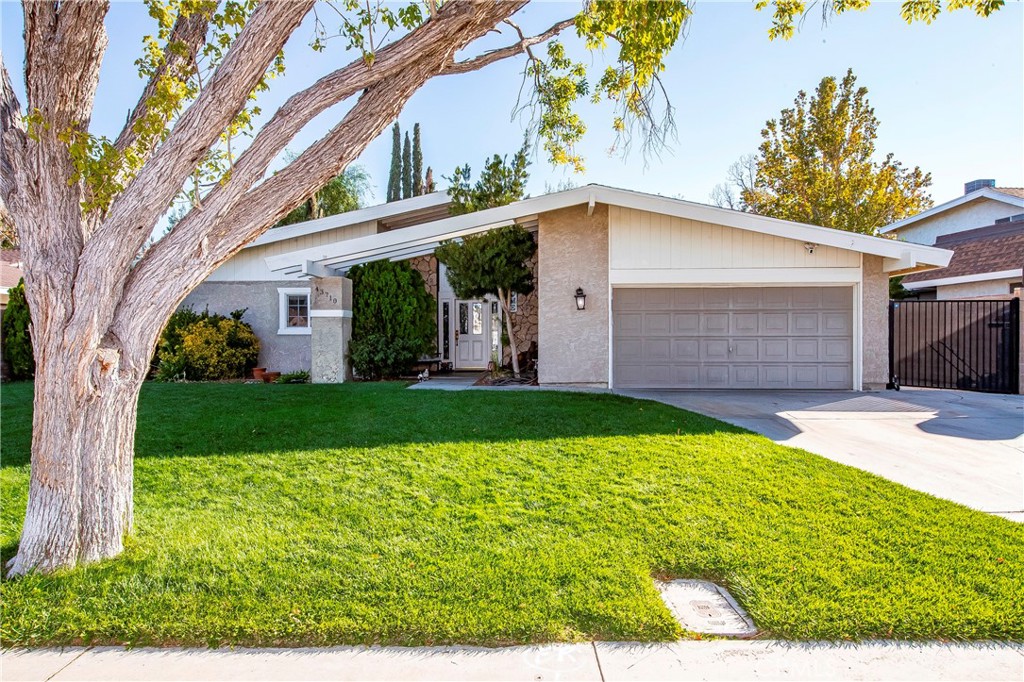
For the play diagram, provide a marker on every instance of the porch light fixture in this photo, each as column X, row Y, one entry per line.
column 810, row 248
column 581, row 299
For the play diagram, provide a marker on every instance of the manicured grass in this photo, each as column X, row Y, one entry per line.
column 297, row 515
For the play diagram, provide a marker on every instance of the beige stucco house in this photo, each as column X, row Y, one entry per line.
column 985, row 229
column 677, row 294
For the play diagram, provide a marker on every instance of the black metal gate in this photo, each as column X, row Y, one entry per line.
column 967, row 345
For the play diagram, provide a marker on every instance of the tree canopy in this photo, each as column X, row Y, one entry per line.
column 344, row 192
column 817, row 165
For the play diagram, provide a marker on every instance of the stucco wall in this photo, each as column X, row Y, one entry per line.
column 278, row 353
column 978, row 213
column 875, row 332
column 997, row 288
column 573, row 252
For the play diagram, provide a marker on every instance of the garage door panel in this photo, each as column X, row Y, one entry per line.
column 836, row 324
column 714, row 349
column 657, row 324
column 745, row 350
column 685, row 323
column 746, row 324
column 774, row 323
column 743, row 337
column 686, row 350
column 714, row 323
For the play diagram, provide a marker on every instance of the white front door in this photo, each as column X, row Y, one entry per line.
column 472, row 334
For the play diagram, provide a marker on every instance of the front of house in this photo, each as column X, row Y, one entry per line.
column 678, row 295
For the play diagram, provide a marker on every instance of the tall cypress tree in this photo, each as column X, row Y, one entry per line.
column 407, row 169
column 417, row 162
column 395, row 177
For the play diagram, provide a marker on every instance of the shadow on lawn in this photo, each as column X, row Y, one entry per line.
column 217, row 419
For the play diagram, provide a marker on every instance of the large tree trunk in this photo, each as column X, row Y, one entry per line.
column 80, row 490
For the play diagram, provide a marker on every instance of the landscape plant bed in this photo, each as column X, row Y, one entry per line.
column 365, row 513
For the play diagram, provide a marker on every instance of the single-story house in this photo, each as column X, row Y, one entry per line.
column 633, row 290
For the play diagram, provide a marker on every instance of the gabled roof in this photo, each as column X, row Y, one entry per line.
column 425, row 204
column 422, row 239
column 1012, row 196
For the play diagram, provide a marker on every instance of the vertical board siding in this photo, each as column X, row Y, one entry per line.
column 248, row 265
column 641, row 240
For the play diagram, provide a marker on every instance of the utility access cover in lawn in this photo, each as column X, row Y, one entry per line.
column 702, row 606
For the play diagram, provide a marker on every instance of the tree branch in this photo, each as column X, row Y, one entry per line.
column 187, row 37
column 232, row 216
column 12, row 133
column 520, row 47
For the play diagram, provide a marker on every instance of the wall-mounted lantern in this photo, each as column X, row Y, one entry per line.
column 581, row 299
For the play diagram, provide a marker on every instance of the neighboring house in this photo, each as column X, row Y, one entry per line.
column 985, row 227
column 678, row 294
column 10, row 273
column 987, row 263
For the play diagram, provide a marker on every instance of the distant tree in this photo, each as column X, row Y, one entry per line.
column 395, row 175
column 563, row 185
column 345, row 192
column 816, row 165
column 500, row 183
column 494, row 263
column 407, row 168
column 428, row 181
column 17, row 341
column 417, row 162
column 742, row 176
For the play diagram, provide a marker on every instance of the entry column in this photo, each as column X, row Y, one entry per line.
column 331, row 321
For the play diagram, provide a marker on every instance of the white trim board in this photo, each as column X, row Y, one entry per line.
column 983, row 193
column 410, row 239
column 965, row 279
column 731, row 277
column 330, row 313
column 360, row 215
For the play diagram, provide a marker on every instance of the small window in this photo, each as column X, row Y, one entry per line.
column 478, row 318
column 463, row 318
column 294, row 311
column 298, row 310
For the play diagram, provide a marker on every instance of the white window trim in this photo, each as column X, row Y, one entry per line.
column 282, row 311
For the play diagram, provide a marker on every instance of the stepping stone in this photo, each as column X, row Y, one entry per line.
column 702, row 606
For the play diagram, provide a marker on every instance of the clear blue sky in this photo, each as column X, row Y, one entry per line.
column 950, row 96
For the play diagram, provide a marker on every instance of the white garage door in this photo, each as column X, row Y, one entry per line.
column 767, row 337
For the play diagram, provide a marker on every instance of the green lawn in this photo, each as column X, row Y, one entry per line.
column 297, row 515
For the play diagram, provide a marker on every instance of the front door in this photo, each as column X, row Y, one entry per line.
column 472, row 334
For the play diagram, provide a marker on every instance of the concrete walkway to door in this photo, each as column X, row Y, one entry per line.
column 961, row 446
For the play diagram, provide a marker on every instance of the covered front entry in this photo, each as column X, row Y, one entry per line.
column 726, row 337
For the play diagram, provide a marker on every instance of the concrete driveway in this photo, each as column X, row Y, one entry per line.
column 961, row 446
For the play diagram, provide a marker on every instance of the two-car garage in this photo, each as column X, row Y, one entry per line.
column 733, row 337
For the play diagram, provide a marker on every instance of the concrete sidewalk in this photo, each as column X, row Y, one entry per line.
column 601, row 661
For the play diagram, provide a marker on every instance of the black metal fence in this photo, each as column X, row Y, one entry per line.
column 967, row 345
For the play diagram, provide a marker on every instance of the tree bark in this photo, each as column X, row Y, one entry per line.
column 505, row 298
column 80, row 491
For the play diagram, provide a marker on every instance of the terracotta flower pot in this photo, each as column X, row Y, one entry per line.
column 270, row 377
column 257, row 373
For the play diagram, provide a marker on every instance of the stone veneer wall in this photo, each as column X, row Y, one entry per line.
column 875, row 331
column 426, row 266
column 573, row 252
column 524, row 320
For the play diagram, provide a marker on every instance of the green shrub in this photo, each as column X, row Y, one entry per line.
column 394, row 319
column 17, row 343
column 205, row 347
column 300, row 377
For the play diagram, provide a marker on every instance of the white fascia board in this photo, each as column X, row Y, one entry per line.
column 360, row 215
column 983, row 193
column 363, row 248
column 734, row 277
column 965, row 279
